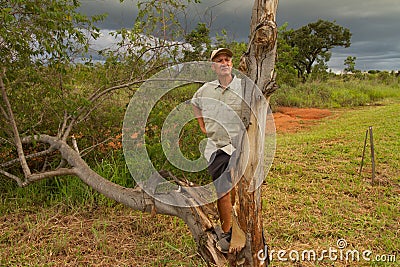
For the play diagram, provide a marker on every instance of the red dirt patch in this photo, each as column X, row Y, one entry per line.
column 289, row 119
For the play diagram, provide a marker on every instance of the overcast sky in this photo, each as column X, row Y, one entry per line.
column 374, row 24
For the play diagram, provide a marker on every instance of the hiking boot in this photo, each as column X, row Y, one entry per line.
column 224, row 242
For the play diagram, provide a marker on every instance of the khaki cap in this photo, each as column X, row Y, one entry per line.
column 219, row 51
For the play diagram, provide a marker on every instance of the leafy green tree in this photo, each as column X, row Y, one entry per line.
column 350, row 63
column 200, row 42
column 314, row 42
column 285, row 60
column 38, row 40
column 42, row 32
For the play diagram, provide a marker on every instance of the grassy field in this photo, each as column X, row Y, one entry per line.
column 313, row 197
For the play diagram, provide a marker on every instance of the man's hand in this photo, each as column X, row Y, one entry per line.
column 199, row 116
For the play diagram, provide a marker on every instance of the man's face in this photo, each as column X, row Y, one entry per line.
column 222, row 65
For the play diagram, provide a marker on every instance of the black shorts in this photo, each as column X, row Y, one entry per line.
column 219, row 169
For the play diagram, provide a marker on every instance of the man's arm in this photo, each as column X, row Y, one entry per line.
column 199, row 116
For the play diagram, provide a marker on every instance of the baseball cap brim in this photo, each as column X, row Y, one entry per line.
column 221, row 51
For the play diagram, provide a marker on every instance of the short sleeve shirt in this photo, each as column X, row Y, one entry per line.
column 220, row 109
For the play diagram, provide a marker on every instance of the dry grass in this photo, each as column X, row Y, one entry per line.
column 117, row 236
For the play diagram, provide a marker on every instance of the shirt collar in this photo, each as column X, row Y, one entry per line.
column 216, row 84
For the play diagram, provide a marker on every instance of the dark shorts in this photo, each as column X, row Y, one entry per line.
column 219, row 169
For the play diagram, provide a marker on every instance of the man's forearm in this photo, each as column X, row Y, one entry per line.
column 201, row 124
column 200, row 120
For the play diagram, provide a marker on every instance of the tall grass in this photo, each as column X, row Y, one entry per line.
column 68, row 190
column 336, row 93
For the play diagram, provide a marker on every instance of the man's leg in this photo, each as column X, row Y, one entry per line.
column 224, row 205
column 222, row 182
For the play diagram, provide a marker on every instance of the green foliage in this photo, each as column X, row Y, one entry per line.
column 350, row 63
column 285, row 64
column 189, row 137
column 158, row 18
column 313, row 43
column 42, row 32
column 38, row 41
column 40, row 100
column 199, row 39
column 156, row 37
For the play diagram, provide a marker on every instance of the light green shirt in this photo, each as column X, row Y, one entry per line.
column 221, row 114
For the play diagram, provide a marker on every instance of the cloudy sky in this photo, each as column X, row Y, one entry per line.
column 374, row 24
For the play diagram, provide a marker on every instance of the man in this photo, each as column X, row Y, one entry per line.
column 217, row 107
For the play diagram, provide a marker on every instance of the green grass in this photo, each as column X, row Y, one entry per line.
column 70, row 191
column 314, row 194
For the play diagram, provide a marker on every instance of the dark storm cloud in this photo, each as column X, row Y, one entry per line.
column 119, row 15
column 374, row 24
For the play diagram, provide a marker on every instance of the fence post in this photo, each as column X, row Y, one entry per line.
column 371, row 140
column 363, row 154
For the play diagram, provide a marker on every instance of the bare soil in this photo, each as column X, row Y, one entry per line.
column 289, row 119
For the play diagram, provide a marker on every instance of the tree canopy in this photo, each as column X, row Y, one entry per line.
column 42, row 31
column 350, row 63
column 312, row 44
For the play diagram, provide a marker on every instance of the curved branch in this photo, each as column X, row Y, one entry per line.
column 49, row 174
column 38, row 154
column 201, row 227
column 12, row 176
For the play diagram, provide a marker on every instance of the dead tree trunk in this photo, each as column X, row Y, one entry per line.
column 258, row 64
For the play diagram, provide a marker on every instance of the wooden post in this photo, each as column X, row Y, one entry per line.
column 371, row 140
column 363, row 153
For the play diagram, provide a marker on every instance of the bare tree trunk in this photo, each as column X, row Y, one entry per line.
column 258, row 64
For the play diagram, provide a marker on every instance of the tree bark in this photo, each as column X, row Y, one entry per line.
column 258, row 64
